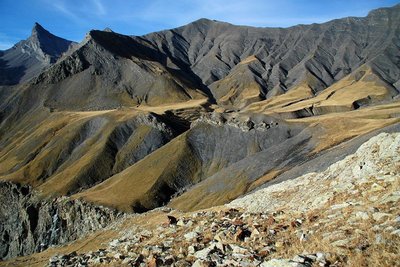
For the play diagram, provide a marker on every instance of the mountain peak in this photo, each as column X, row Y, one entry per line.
column 37, row 25
column 384, row 11
column 206, row 21
column 203, row 20
column 203, row 24
column 39, row 30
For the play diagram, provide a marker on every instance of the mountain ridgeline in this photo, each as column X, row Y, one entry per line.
column 191, row 117
column 28, row 58
column 233, row 65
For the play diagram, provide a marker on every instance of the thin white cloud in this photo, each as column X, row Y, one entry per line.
column 179, row 12
column 99, row 7
column 63, row 8
column 79, row 12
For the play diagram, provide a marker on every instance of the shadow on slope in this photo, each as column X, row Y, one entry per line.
column 68, row 152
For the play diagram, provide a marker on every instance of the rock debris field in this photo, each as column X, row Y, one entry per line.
column 347, row 215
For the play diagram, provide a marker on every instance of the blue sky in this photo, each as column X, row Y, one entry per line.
column 71, row 19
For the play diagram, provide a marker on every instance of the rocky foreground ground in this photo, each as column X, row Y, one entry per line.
column 347, row 215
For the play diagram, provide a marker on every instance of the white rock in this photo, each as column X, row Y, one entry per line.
column 191, row 235
column 370, row 160
column 254, row 233
column 396, row 232
column 277, row 263
column 117, row 256
column 394, row 197
column 238, row 249
column 320, row 256
column 199, row 263
column 362, row 215
column 202, row 254
column 388, row 178
column 191, row 250
column 114, row 243
column 340, row 206
column 376, row 187
column 379, row 239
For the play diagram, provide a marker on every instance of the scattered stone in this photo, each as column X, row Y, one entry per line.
column 232, row 237
column 376, row 187
column 396, row 232
column 191, row 235
column 362, row 215
column 238, row 249
column 340, row 206
column 200, row 263
column 180, row 223
column 277, row 263
column 202, row 254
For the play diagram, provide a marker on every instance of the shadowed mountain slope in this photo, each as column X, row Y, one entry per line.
column 65, row 153
column 231, row 59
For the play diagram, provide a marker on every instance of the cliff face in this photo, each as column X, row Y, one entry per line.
column 30, row 225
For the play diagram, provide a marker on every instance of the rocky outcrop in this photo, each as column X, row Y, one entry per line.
column 376, row 160
column 242, row 122
column 28, row 224
column 28, row 58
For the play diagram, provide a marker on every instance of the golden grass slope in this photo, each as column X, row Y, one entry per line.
column 147, row 184
column 69, row 151
column 363, row 86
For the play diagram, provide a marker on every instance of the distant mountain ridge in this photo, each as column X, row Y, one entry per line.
column 234, row 65
column 274, row 60
column 28, row 58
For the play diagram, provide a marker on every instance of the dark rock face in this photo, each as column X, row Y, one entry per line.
column 29, row 57
column 30, row 225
